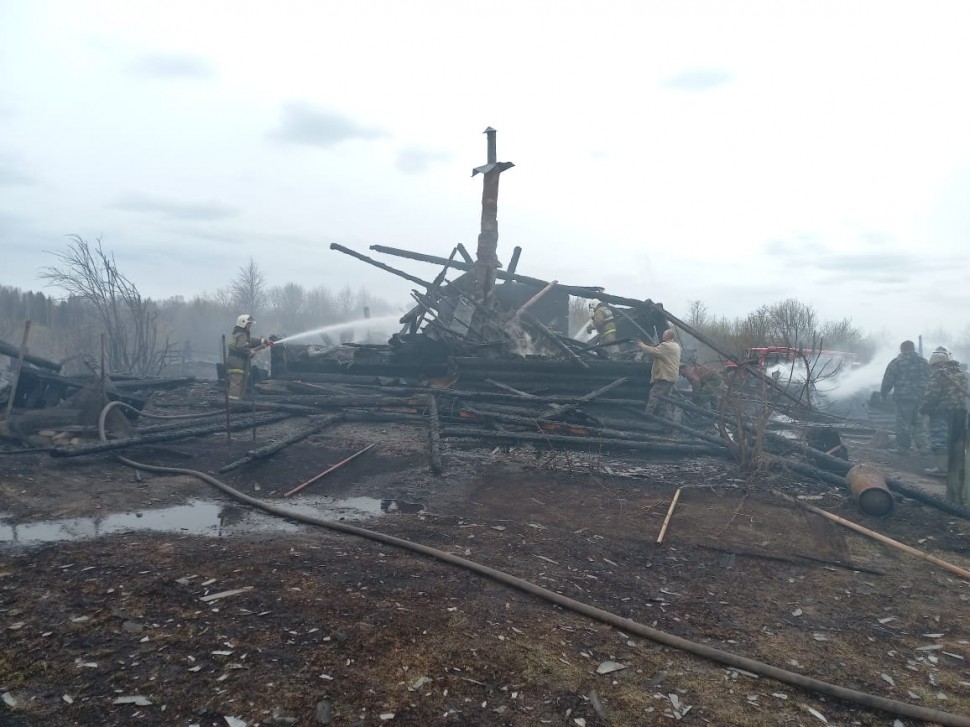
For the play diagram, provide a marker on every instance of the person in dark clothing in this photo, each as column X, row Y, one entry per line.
column 707, row 385
column 906, row 377
column 946, row 396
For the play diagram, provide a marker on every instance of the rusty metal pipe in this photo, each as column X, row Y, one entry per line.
column 330, row 469
column 869, row 488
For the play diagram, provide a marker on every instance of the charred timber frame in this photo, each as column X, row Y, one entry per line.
column 593, row 293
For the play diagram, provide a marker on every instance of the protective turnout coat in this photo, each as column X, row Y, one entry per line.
column 946, row 389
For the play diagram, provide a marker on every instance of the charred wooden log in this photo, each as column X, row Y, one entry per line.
column 7, row 349
column 586, row 443
column 183, row 433
column 557, row 410
column 553, row 426
column 270, row 449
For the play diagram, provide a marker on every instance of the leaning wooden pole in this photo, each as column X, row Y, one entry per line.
column 955, row 569
column 535, row 298
column 538, row 325
column 670, row 514
column 557, row 410
column 377, row 264
column 20, row 366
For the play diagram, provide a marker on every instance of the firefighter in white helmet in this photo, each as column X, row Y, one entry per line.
column 242, row 348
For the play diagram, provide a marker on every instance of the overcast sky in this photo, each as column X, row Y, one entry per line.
column 733, row 152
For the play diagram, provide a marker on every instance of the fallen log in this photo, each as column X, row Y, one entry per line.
column 511, row 390
column 184, row 433
column 585, row 442
column 560, row 410
column 169, row 383
column 270, row 449
column 352, row 415
column 552, row 424
column 340, row 401
column 13, row 352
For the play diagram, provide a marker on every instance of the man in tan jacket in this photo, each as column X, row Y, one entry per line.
column 663, row 373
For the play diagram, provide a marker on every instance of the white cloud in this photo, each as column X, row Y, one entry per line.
column 735, row 153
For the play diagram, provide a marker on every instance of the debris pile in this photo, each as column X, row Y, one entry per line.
column 45, row 408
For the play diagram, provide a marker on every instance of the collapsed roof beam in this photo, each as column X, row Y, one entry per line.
column 577, row 290
column 388, row 268
column 594, row 293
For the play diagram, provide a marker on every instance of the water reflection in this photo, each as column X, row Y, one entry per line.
column 198, row 517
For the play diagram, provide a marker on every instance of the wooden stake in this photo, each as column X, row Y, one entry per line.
column 434, row 435
column 20, row 366
column 670, row 512
column 225, row 371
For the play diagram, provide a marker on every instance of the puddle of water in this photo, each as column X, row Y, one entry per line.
column 198, row 517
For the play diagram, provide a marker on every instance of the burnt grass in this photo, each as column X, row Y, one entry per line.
column 339, row 629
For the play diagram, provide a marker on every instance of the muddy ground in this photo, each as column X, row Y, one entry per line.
column 323, row 627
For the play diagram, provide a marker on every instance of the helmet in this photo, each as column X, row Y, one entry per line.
column 244, row 320
column 940, row 355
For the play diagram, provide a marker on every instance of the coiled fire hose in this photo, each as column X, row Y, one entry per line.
column 626, row 625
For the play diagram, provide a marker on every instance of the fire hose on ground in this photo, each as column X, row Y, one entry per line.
column 845, row 694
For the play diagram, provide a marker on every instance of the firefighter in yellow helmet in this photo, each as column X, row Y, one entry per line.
column 242, row 348
column 603, row 321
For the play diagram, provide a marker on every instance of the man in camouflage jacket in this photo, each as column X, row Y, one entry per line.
column 946, row 395
column 906, row 376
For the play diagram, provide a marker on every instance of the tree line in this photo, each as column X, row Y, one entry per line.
column 788, row 323
column 143, row 336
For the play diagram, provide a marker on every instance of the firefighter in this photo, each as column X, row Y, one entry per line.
column 603, row 321
column 242, row 348
column 944, row 400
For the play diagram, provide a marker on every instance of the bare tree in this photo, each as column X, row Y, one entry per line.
column 578, row 315
column 249, row 289
column 697, row 314
column 129, row 321
column 345, row 300
column 790, row 323
column 289, row 306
